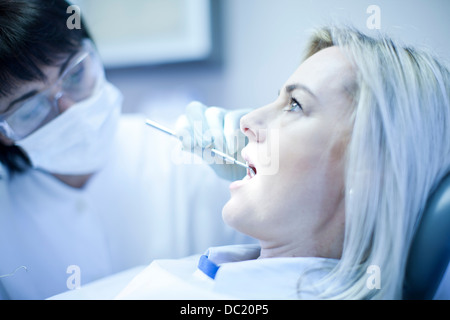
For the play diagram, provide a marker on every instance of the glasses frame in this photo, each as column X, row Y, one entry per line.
column 87, row 50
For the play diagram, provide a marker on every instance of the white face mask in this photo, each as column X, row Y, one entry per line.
column 79, row 140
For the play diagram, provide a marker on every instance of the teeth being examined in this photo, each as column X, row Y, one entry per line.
column 251, row 171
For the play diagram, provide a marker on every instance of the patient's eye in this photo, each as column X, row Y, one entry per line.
column 294, row 106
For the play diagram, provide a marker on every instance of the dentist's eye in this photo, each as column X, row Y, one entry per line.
column 293, row 106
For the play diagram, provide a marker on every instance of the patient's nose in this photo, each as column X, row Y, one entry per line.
column 254, row 125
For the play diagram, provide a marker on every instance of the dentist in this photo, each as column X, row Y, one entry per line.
column 80, row 183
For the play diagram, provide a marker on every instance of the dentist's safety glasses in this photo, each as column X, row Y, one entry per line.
column 81, row 78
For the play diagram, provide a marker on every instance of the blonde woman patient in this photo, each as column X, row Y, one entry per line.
column 363, row 138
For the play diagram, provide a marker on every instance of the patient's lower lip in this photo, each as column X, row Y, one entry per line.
column 238, row 183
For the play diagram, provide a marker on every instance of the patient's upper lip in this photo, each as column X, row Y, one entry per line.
column 248, row 160
column 245, row 156
column 238, row 183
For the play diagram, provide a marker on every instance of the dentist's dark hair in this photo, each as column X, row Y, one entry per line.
column 33, row 34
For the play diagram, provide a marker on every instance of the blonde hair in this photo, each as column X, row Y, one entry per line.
column 398, row 152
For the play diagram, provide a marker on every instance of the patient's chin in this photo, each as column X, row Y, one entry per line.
column 235, row 215
column 232, row 213
column 227, row 212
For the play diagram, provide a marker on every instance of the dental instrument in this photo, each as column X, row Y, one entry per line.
column 226, row 157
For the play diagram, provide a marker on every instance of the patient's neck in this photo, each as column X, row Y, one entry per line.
column 324, row 239
column 287, row 250
column 326, row 242
column 298, row 250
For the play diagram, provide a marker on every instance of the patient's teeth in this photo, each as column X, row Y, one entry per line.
column 250, row 171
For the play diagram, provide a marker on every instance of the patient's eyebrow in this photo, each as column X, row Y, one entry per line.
column 295, row 86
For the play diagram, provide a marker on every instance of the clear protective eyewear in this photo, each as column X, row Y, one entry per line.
column 81, row 78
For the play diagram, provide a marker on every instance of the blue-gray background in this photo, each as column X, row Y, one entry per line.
column 260, row 44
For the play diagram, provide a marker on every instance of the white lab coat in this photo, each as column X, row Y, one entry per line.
column 240, row 276
column 141, row 206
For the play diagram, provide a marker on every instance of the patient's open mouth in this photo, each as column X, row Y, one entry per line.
column 251, row 172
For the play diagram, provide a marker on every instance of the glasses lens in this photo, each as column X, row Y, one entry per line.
column 82, row 80
column 30, row 116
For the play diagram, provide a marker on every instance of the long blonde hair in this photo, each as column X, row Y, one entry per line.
column 398, row 152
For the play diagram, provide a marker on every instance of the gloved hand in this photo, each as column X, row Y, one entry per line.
column 203, row 128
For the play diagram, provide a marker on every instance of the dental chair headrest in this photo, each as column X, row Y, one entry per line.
column 429, row 255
